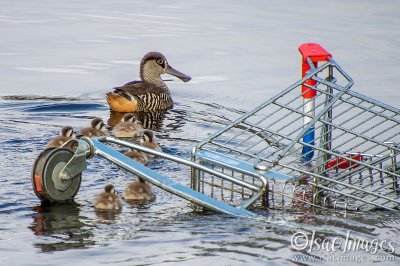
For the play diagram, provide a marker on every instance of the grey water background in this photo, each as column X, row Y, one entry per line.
column 59, row 58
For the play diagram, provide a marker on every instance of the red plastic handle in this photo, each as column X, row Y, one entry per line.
column 341, row 163
column 317, row 54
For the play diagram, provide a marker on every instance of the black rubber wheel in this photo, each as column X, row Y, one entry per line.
column 46, row 182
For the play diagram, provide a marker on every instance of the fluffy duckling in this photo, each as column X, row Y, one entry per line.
column 66, row 133
column 138, row 190
column 138, row 156
column 97, row 129
column 128, row 127
column 149, row 142
column 108, row 200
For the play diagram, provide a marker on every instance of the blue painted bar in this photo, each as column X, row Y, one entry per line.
column 307, row 152
column 167, row 184
column 240, row 165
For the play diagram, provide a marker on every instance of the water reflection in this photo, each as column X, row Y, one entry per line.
column 139, row 204
column 150, row 120
column 155, row 120
column 107, row 214
column 64, row 224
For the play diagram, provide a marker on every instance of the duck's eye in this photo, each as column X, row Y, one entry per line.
column 160, row 62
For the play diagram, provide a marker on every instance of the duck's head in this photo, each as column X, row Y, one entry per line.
column 110, row 189
column 129, row 118
column 154, row 64
column 68, row 132
column 148, row 136
column 98, row 124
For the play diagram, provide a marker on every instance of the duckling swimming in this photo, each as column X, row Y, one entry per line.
column 138, row 156
column 128, row 127
column 149, row 93
column 66, row 133
column 138, row 190
column 149, row 142
column 108, row 199
column 97, row 129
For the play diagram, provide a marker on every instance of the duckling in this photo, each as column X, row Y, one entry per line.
column 66, row 133
column 97, row 129
column 138, row 156
column 128, row 127
column 149, row 142
column 108, row 199
column 150, row 93
column 138, row 190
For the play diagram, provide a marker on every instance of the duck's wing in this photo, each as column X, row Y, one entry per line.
column 139, row 96
column 138, row 88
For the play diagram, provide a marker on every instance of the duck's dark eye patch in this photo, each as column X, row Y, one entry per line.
column 160, row 62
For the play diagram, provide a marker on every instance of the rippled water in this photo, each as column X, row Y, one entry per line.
column 59, row 58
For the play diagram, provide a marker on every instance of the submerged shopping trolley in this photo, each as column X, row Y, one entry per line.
column 316, row 144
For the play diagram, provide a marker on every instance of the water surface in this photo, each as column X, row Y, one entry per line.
column 59, row 58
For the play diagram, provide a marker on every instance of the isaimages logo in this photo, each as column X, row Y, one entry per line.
column 312, row 243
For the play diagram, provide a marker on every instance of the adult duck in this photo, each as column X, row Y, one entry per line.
column 150, row 93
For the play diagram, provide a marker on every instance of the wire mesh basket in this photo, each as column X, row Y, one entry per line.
column 317, row 142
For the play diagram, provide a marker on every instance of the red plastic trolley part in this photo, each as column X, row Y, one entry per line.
column 316, row 54
column 38, row 183
column 342, row 163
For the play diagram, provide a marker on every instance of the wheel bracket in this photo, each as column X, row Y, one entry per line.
column 77, row 164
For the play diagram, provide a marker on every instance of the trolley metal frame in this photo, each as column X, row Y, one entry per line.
column 340, row 143
column 315, row 144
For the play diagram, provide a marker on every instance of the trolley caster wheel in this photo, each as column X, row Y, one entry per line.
column 46, row 181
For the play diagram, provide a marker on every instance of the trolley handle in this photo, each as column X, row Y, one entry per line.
column 312, row 53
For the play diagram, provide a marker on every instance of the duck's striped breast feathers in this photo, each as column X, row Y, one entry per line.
column 152, row 101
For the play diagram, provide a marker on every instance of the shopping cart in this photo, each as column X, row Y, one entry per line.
column 317, row 144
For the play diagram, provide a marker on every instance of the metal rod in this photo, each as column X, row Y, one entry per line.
column 314, row 120
column 163, row 182
column 176, row 159
column 273, row 99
